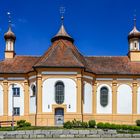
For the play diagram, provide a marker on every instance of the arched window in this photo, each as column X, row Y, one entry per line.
column 33, row 88
column 103, row 96
column 135, row 46
column 59, row 92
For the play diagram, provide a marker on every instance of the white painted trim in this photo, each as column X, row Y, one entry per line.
column 48, row 94
column 107, row 109
column 1, row 101
column 32, row 77
column 138, row 100
column 104, row 79
column 55, row 72
column 1, row 78
column 124, row 79
column 88, row 77
column 138, row 79
column 87, row 106
column 18, row 101
column 15, row 78
column 124, row 99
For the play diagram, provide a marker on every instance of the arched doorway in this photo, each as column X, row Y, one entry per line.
column 59, row 116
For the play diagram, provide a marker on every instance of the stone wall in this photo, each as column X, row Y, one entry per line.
column 30, row 134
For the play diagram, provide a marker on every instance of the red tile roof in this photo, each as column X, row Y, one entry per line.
column 64, row 54
column 113, row 65
column 19, row 64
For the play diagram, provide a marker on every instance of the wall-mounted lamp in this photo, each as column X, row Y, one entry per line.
column 48, row 106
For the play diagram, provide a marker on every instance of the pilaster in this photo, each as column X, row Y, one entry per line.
column 114, row 97
column 79, row 94
column 5, row 98
column 39, row 94
column 134, row 97
column 26, row 98
column 94, row 95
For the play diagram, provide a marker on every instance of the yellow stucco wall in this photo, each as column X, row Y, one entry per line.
column 47, row 119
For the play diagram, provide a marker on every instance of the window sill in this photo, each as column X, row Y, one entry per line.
column 16, row 96
column 32, row 96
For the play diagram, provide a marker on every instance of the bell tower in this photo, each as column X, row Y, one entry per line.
column 134, row 44
column 10, row 41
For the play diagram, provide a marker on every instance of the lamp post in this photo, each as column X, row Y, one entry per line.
column 12, row 106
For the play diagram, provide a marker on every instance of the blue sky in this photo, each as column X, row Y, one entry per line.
column 99, row 27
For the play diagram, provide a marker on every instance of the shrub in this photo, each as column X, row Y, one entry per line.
column 76, row 124
column 107, row 125
column 114, row 126
column 92, row 123
column 129, row 127
column 23, row 123
column 123, row 127
column 84, row 124
column 138, row 122
column 100, row 125
column 27, row 124
column 135, row 128
column 117, row 126
column 68, row 125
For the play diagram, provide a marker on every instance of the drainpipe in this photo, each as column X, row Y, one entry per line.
column 36, row 99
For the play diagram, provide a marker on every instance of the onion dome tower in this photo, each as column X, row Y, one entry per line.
column 134, row 43
column 62, row 34
column 10, row 41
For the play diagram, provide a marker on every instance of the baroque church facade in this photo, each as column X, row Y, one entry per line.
column 63, row 85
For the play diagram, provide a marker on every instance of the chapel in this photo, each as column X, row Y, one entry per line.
column 63, row 84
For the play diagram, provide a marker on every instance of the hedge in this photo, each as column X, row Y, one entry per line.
column 79, row 124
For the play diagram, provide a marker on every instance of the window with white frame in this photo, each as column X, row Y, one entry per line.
column 16, row 91
column 16, row 111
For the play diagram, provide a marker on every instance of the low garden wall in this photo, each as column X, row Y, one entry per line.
column 92, row 133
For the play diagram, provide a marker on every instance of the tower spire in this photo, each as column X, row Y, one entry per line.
column 62, row 34
column 10, row 39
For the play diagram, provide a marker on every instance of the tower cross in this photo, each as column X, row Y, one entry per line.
column 62, row 11
column 135, row 18
column 9, row 19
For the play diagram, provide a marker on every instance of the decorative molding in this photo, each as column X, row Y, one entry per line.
column 138, row 79
column 1, row 78
column 104, row 79
column 58, row 73
column 88, row 77
column 124, row 79
column 32, row 77
column 16, row 78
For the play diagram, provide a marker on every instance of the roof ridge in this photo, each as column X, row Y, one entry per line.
column 106, row 56
column 28, row 55
column 79, row 53
column 53, row 52
column 47, row 52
